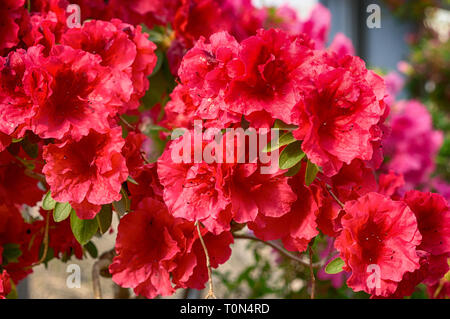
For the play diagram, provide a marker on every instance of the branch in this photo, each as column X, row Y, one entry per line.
column 334, row 196
column 45, row 241
column 278, row 248
column 311, row 271
column 208, row 264
column 99, row 265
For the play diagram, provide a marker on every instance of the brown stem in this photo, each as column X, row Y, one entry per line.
column 36, row 176
column 335, row 197
column 278, row 248
column 208, row 264
column 45, row 241
column 311, row 271
column 99, row 265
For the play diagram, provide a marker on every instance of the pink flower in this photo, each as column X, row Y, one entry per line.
column 412, row 144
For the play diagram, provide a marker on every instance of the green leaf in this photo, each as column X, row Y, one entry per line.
column 48, row 203
column 291, row 155
column 17, row 140
column 91, row 249
column 104, row 218
column 294, row 170
column 283, row 140
column 335, row 266
column 61, row 212
column 311, row 173
column 280, row 125
column 159, row 62
column 132, row 180
column 83, row 229
column 122, row 206
column 11, row 253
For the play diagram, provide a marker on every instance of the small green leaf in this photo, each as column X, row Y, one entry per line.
column 280, row 125
column 132, row 180
column 83, row 229
column 91, row 249
column 283, row 140
column 17, row 140
column 294, row 170
column 159, row 62
column 48, row 203
column 291, row 155
column 11, row 253
column 104, row 218
column 335, row 266
column 122, row 206
column 311, row 173
column 61, row 212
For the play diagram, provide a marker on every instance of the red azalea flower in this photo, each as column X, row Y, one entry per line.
column 378, row 241
column 16, row 188
column 205, row 76
column 197, row 18
column 264, row 77
column 148, row 185
column 352, row 182
column 5, row 284
column 16, row 105
column 14, row 231
column 87, row 173
column 433, row 217
column 61, row 240
column 297, row 227
column 143, row 64
column 162, row 247
column 11, row 11
column 218, row 192
column 339, row 116
column 81, row 94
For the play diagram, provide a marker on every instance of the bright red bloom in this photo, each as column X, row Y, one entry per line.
column 11, row 11
column 205, row 76
column 433, row 217
column 153, row 247
column 87, row 173
column 5, row 284
column 339, row 116
column 380, row 232
column 197, row 18
column 352, row 182
column 61, row 239
column 81, row 94
column 143, row 64
column 16, row 188
column 14, row 231
column 16, row 105
column 298, row 226
column 218, row 192
column 264, row 76
column 116, row 50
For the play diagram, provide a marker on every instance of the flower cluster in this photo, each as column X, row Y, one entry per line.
column 79, row 118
